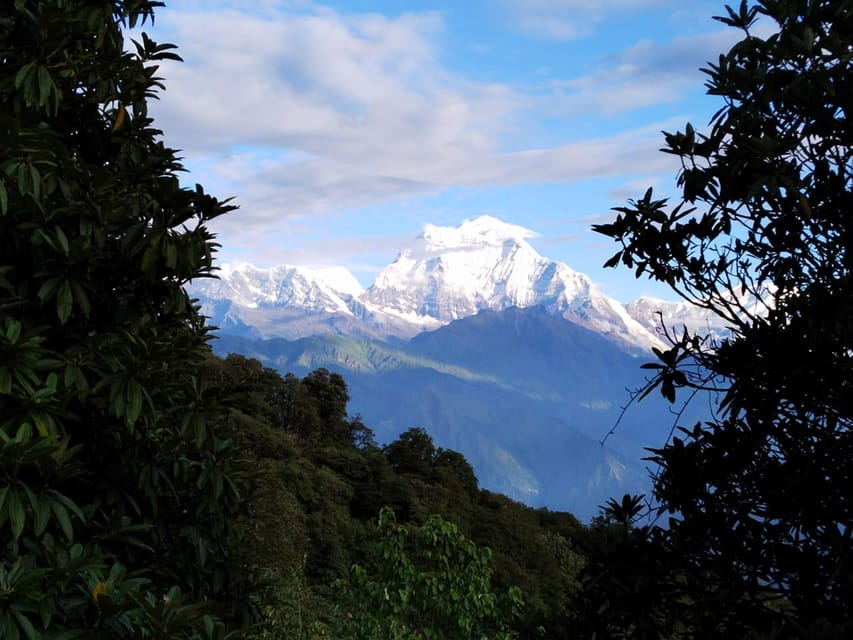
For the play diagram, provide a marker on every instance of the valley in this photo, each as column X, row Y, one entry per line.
column 514, row 360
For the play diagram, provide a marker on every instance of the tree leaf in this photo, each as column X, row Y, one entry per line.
column 64, row 301
column 17, row 515
column 134, row 401
column 45, row 85
column 27, row 626
column 4, row 198
column 62, row 238
column 61, row 515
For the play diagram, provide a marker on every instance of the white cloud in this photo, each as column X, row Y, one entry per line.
column 274, row 190
column 645, row 74
column 324, row 83
column 570, row 19
column 307, row 113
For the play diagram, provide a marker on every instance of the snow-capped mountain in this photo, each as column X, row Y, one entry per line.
column 325, row 289
column 285, row 301
column 452, row 273
column 655, row 314
column 661, row 315
column 445, row 274
column 515, row 360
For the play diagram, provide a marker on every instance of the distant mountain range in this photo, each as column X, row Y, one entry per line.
column 515, row 360
column 444, row 275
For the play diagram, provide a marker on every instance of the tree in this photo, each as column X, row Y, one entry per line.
column 427, row 583
column 759, row 531
column 451, row 467
column 329, row 392
column 119, row 488
column 413, row 453
column 630, row 587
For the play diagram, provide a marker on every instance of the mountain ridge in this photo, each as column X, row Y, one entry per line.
column 529, row 419
column 445, row 274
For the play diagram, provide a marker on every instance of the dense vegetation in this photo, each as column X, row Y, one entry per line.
column 321, row 483
column 758, row 536
column 151, row 490
column 120, row 490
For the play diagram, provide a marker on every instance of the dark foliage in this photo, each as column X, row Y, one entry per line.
column 119, row 489
column 759, row 538
column 317, row 498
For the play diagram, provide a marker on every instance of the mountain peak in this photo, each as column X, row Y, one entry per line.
column 339, row 279
column 475, row 232
column 484, row 263
column 331, row 278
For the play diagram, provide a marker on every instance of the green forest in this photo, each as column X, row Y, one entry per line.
column 149, row 489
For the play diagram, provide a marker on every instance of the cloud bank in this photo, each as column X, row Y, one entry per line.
column 310, row 110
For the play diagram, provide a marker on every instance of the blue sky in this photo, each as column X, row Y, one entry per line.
column 342, row 128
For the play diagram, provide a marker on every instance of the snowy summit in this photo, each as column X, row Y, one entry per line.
column 445, row 274
column 476, row 232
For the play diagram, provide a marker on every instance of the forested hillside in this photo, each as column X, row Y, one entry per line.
column 321, row 481
column 525, row 397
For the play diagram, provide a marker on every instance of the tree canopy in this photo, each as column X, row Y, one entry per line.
column 119, row 488
column 314, row 514
column 426, row 583
column 758, row 534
